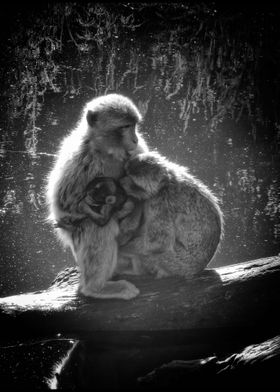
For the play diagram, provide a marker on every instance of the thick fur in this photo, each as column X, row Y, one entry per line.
column 182, row 224
column 100, row 145
column 104, row 196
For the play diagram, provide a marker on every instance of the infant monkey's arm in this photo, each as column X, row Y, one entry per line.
column 70, row 223
column 107, row 198
column 100, row 217
column 103, row 197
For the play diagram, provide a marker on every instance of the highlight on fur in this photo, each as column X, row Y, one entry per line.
column 183, row 223
column 104, row 196
column 106, row 136
column 171, row 223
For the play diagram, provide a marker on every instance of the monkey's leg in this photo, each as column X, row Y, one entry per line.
column 162, row 254
column 130, row 226
column 96, row 254
column 151, row 249
column 134, row 246
column 178, row 262
column 129, row 264
column 157, row 237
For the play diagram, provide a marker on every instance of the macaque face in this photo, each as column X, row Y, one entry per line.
column 99, row 190
column 114, row 131
column 144, row 176
column 129, row 137
column 118, row 136
column 104, row 190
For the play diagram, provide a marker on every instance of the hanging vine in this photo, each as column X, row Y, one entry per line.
column 205, row 62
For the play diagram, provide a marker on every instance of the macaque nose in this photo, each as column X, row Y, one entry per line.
column 135, row 140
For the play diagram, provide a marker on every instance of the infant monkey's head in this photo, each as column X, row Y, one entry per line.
column 104, row 196
column 144, row 175
column 105, row 190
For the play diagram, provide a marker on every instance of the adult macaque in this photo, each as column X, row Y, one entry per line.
column 182, row 223
column 105, row 138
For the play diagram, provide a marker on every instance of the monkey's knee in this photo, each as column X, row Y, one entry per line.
column 129, row 265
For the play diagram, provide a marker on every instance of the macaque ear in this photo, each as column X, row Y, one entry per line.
column 91, row 118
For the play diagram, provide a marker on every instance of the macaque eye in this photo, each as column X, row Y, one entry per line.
column 126, row 127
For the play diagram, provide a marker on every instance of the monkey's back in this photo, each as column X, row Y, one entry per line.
column 188, row 207
column 198, row 217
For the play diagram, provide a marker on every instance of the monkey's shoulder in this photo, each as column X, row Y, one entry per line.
column 182, row 193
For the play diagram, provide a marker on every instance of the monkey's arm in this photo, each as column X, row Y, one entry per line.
column 69, row 221
column 66, row 224
column 131, row 224
column 72, row 220
column 142, row 246
column 135, row 246
column 138, row 189
column 99, row 218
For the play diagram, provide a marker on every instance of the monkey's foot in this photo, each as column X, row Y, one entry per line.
column 120, row 289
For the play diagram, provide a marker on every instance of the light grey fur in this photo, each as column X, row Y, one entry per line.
column 182, row 223
column 93, row 149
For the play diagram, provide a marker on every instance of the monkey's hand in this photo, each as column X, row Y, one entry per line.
column 67, row 223
column 127, row 208
column 99, row 218
column 105, row 215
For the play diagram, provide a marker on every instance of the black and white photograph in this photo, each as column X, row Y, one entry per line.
column 140, row 196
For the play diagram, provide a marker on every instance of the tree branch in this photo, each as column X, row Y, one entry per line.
column 239, row 296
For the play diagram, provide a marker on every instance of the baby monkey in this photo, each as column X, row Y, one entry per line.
column 103, row 196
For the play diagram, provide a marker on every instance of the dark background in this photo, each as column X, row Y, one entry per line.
column 204, row 75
